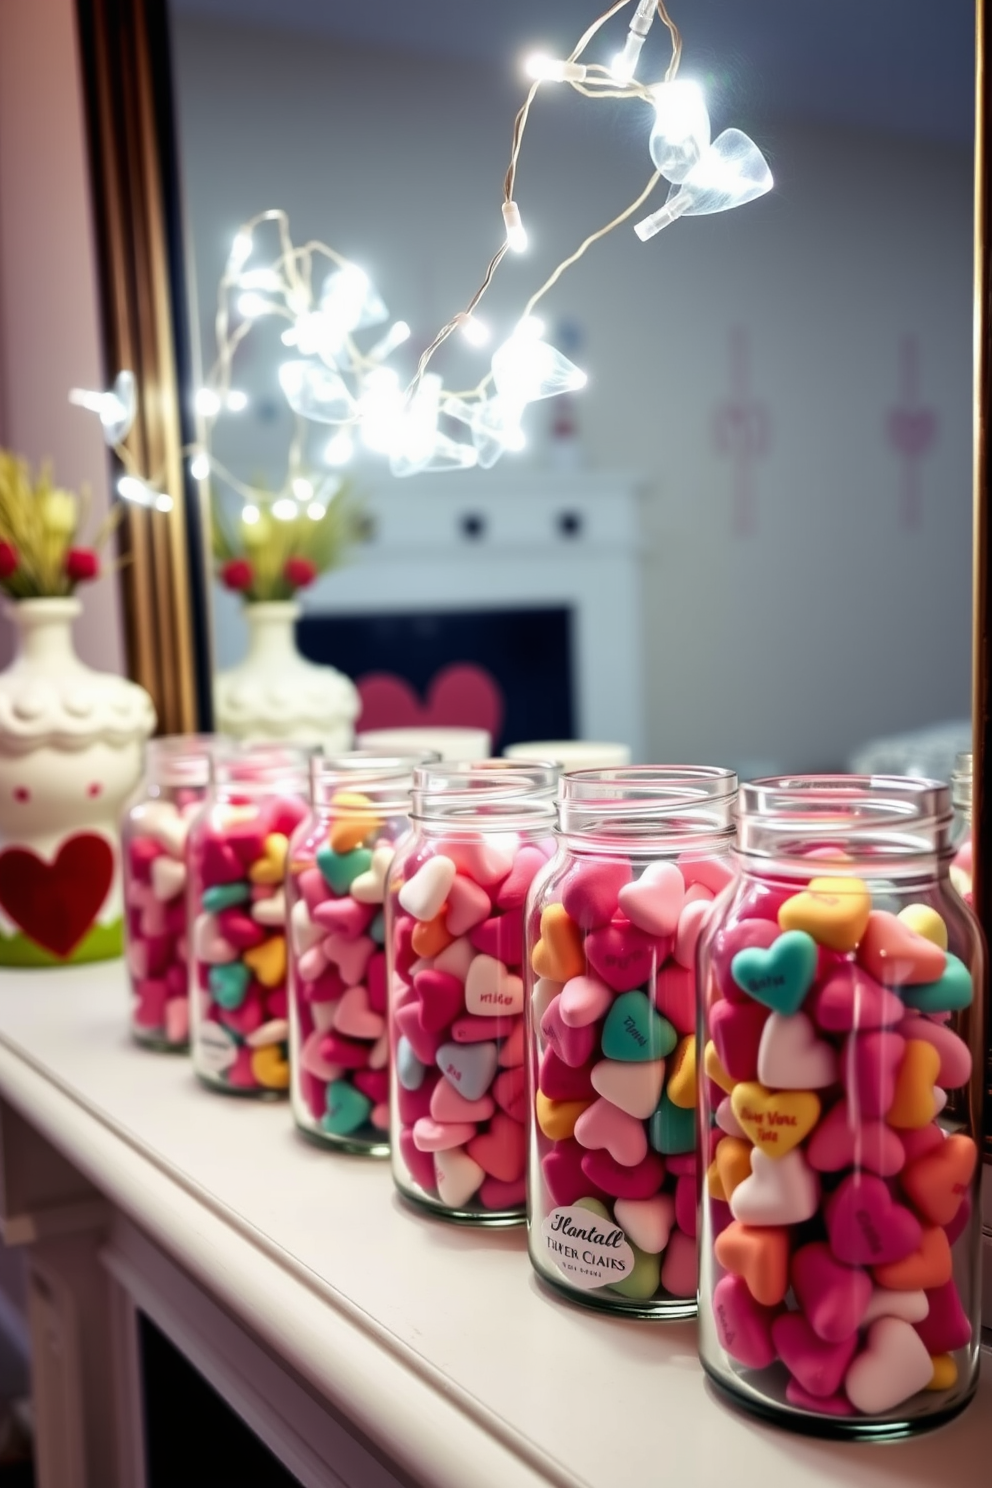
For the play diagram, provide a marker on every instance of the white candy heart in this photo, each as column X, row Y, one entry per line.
column 272, row 911
column 424, row 894
column 313, row 1062
column 468, row 1067
column 646, row 1222
column 780, row 1190
column 491, row 990
column 487, row 862
column 370, row 887
column 893, row 1366
column 654, row 901
column 791, row 1057
column 276, row 1031
column 168, row 877
column 302, row 930
column 458, row 1176
column 170, row 833
column 543, row 996
column 912, row 1307
column 455, row 959
column 634, row 1088
column 209, row 944
column 322, row 1014
column 691, row 922
column 727, row 1121
column 584, row 999
column 215, row 1048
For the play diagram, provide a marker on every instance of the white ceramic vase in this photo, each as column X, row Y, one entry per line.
column 71, row 743
column 275, row 694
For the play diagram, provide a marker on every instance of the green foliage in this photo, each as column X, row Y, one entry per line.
column 268, row 543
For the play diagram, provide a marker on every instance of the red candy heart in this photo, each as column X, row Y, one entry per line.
column 817, row 1366
column 590, row 890
column 736, row 1029
column 946, row 1326
column 501, row 936
column 624, row 956
column 564, row 1176
column 442, row 998
column 560, row 1081
column 639, row 1182
column 834, row 1297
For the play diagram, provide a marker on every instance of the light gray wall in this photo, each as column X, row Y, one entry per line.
column 833, row 622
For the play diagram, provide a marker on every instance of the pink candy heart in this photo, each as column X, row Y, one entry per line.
column 791, row 1057
column 355, row 1019
column 314, row 888
column 834, row 1297
column 344, row 917
column 313, row 1061
column 584, row 1000
column 573, row 1046
column 866, row 1227
column 624, row 956
column 691, row 922
column 448, row 1105
column 424, row 1043
column 350, row 956
column 564, row 1176
column 501, row 937
column 512, row 1052
column 896, row 955
column 869, row 1066
column 675, row 996
column 850, row 999
column 680, row 1267
column 955, row 1056
column 713, row 873
column 589, row 891
column 526, row 865
column 435, row 1136
column 946, row 1326
column 634, row 1088
column 561, row 1081
column 441, row 996
column 468, row 906
column 603, row 1125
column 654, row 901
column 623, row 1182
column 510, row 1093
column 818, row 1367
column 502, row 1150
column 743, row 1326
column 844, row 1140
column 736, row 1029
column 419, row 1165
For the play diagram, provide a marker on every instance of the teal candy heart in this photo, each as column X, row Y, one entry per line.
column 780, row 976
column 228, row 984
column 377, row 929
column 225, row 896
column 954, row 990
column 635, row 1032
column 347, row 1109
column 341, row 869
column 671, row 1129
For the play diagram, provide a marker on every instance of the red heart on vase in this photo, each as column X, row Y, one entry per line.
column 55, row 904
column 461, row 696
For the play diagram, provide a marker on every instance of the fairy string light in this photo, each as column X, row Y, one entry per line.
column 333, row 377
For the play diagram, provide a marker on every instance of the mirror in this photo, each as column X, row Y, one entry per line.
column 748, row 539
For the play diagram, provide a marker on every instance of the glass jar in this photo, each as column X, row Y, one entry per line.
column 611, row 991
column 454, row 927
column 236, row 863
column 338, row 863
column 840, row 1106
column 153, row 841
column 961, row 790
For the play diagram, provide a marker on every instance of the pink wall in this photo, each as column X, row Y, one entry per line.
column 49, row 329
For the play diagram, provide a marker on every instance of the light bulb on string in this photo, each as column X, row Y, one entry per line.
column 302, row 488
column 316, row 511
column 116, row 408
column 516, row 234
column 418, row 445
column 266, row 279
column 250, row 514
column 494, row 423
column 398, row 333
column 545, row 69
column 199, row 466
column 731, row 172
column 285, row 509
column 140, row 493
column 251, row 305
column 350, row 302
column 316, row 392
column 340, row 448
column 681, row 132
column 207, row 402
column 475, row 331
column 380, row 408
column 240, row 252
column 236, row 401
column 526, row 368
column 624, row 64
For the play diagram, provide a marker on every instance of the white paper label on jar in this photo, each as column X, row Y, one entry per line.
column 588, row 1250
column 216, row 1050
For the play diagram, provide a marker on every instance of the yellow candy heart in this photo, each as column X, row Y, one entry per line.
column 775, row 1120
column 357, row 821
column 715, row 1069
column 945, row 1372
column 557, row 1118
column 913, row 1105
column 733, row 1163
column 272, row 868
column 926, row 922
column 270, row 1067
column 682, row 1076
column 268, row 961
column 834, row 911
column 714, row 1183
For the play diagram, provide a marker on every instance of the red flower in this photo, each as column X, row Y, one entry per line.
column 8, row 560
column 299, row 572
column 81, row 564
column 237, row 574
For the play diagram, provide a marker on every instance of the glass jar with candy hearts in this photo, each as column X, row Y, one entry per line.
column 611, row 940
column 236, row 862
column 335, row 888
column 454, row 926
column 840, row 1099
column 153, row 835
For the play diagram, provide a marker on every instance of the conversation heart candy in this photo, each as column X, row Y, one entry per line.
column 834, row 911
column 268, row 961
column 736, row 1029
column 680, row 1266
column 775, row 1121
column 760, row 1256
column 672, row 1128
column 369, row 887
column 869, row 1068
column 355, row 1019
column 501, row 1151
column 642, row 1280
column 691, row 922
column 654, row 901
column 491, row 989
column 501, row 936
column 948, row 993
column 632, row 1087
column 433, row 1136
column 926, row 922
column 634, row 1031
column 746, row 934
column 893, row 1366
column 675, row 996
column 424, row 894
column 955, row 1056
column 468, row 905
column 229, row 984
column 513, row 890
column 458, row 1177
column 647, row 1222
column 938, row 1182
column 468, row 1067
column 833, row 1297
column 713, row 873
column 681, row 1068
column 624, row 956
column 572, row 1045
column 850, row 999
column 780, row 976
column 779, row 1191
column 558, row 955
column 347, row 1109
column 817, row 1366
column 927, row 1267
column 913, row 1103
column 584, row 999
column 912, row 1307
column 168, row 877
column 944, row 1325
column 743, row 1326
column 557, row 1118
column 270, row 1067
column 866, row 1226
column 945, row 1372
column 590, row 889
column 561, row 1081
column 732, row 1162
column 622, row 1181
column 845, row 1139
column 791, row 1057
column 895, row 955
column 563, row 1174
column 602, row 1125
column 442, row 998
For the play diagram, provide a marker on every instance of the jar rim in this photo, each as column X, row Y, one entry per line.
column 638, row 800
column 181, row 759
column 885, row 816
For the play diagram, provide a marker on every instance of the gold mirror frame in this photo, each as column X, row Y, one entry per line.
column 128, row 89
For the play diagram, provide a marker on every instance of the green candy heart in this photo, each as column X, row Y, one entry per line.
column 228, row 984
column 225, row 896
column 594, row 1206
column 643, row 1281
column 671, row 1129
column 377, row 929
column 347, row 1109
column 635, row 1032
column 341, row 869
column 953, row 991
column 780, row 976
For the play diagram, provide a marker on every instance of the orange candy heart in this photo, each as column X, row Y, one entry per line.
column 714, row 1183
column 928, row 1267
column 715, row 1070
column 558, row 955
column 913, row 1104
column 557, row 1118
column 760, row 1255
column 938, row 1181
column 356, row 821
column 431, row 937
column 682, row 1074
column 733, row 1163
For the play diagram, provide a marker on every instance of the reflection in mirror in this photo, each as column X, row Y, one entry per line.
column 747, row 539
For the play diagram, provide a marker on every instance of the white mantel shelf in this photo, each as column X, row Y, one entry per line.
column 435, row 1344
